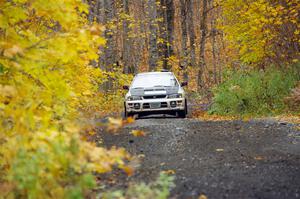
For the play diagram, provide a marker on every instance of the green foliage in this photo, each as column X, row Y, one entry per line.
column 160, row 189
column 254, row 92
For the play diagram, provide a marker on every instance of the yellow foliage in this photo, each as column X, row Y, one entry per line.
column 254, row 28
column 46, row 83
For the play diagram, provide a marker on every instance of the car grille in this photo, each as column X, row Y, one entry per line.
column 154, row 96
column 162, row 105
column 146, row 106
column 156, row 89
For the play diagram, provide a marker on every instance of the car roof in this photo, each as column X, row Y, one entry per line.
column 153, row 73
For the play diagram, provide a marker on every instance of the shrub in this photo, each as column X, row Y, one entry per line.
column 293, row 100
column 160, row 189
column 254, row 92
column 45, row 79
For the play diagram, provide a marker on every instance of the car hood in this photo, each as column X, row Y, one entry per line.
column 155, row 91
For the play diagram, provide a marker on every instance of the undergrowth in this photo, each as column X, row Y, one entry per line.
column 159, row 189
column 255, row 93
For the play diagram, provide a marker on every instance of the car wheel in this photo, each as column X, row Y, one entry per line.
column 185, row 107
column 126, row 114
column 183, row 113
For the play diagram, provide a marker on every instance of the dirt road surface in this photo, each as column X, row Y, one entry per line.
column 227, row 159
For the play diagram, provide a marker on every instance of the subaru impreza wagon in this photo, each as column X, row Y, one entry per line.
column 155, row 93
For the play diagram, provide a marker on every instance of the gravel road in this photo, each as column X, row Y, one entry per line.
column 226, row 159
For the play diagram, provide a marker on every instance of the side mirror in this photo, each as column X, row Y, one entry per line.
column 125, row 87
column 184, row 84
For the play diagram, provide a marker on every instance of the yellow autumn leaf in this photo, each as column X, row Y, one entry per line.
column 87, row 92
column 258, row 158
column 114, row 124
column 202, row 196
column 12, row 51
column 138, row 133
column 128, row 170
column 129, row 120
column 91, row 133
column 169, row 172
column 7, row 90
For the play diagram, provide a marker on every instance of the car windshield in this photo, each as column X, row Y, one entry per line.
column 154, row 80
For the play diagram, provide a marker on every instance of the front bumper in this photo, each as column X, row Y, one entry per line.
column 155, row 105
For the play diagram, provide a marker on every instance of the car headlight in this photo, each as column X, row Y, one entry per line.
column 175, row 96
column 132, row 98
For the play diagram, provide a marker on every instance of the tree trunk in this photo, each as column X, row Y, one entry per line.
column 91, row 13
column 153, row 54
column 203, row 31
column 126, row 40
column 184, row 51
column 214, row 45
column 170, row 12
column 102, row 20
column 109, row 51
column 191, row 33
column 166, row 29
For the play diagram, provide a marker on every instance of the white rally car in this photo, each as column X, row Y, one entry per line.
column 155, row 93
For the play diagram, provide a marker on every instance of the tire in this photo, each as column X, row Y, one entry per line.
column 185, row 107
column 126, row 114
column 183, row 113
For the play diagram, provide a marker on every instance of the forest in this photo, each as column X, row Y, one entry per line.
column 63, row 64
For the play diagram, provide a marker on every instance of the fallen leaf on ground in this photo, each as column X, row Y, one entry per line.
column 114, row 124
column 141, row 156
column 129, row 120
column 170, row 172
column 219, row 150
column 258, row 158
column 137, row 133
column 202, row 196
column 128, row 170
